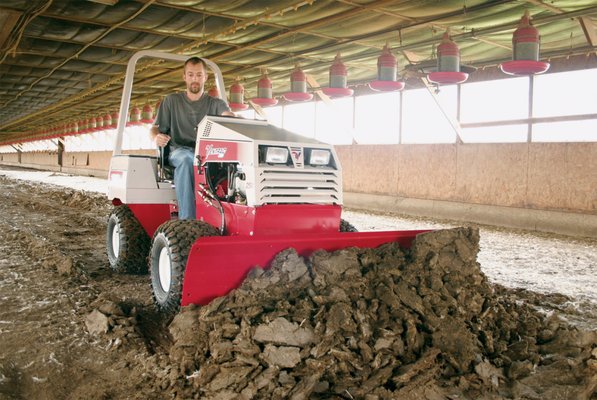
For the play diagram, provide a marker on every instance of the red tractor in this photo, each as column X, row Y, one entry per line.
column 259, row 190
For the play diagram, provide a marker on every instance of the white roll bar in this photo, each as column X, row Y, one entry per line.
column 128, row 87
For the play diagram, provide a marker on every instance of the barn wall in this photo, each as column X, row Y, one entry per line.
column 542, row 186
column 542, row 176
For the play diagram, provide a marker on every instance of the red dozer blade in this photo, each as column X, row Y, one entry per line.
column 216, row 265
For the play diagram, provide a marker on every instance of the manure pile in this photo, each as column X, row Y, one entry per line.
column 385, row 323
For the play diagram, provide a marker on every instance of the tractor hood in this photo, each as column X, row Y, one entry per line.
column 232, row 128
column 278, row 166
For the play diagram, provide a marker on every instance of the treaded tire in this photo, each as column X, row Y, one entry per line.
column 168, row 256
column 127, row 242
column 346, row 226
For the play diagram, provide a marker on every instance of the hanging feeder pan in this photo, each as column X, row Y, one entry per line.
column 297, row 96
column 238, row 106
column 524, row 67
column 264, row 101
column 337, row 92
column 386, row 86
column 447, row 77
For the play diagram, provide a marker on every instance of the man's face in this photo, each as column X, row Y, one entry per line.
column 195, row 77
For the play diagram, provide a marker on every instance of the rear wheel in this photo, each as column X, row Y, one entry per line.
column 126, row 241
column 168, row 257
column 346, row 226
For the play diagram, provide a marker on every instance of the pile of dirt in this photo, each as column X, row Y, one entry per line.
column 385, row 323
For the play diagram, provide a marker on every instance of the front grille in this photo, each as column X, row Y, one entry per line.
column 315, row 187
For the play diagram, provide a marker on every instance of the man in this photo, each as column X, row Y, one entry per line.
column 176, row 124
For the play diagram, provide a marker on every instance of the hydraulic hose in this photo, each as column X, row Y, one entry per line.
column 215, row 197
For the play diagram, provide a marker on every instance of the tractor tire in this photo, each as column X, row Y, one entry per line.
column 127, row 242
column 168, row 256
column 346, row 226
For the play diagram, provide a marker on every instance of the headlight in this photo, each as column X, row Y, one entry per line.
column 319, row 157
column 276, row 155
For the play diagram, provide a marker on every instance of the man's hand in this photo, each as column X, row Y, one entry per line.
column 161, row 140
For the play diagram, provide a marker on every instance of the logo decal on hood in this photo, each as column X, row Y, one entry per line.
column 210, row 150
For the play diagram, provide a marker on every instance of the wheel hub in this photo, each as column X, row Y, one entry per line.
column 116, row 240
column 165, row 269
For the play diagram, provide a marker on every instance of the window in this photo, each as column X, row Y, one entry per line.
column 377, row 118
column 274, row 115
column 565, row 93
column 495, row 134
column 300, row 118
column 333, row 122
column 423, row 119
column 569, row 131
column 499, row 100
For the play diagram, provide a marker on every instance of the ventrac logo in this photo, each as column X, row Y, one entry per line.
column 296, row 154
column 210, row 150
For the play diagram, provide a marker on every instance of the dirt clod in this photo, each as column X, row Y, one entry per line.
column 380, row 323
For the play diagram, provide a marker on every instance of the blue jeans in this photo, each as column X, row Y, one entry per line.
column 181, row 158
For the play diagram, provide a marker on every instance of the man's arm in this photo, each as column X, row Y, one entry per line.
column 158, row 137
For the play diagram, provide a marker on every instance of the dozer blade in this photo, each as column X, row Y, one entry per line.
column 216, row 265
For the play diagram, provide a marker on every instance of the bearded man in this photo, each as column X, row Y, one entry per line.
column 176, row 126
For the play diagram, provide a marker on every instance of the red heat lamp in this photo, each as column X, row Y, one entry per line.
column 264, row 92
column 237, row 92
column 525, row 45
column 134, row 117
column 298, row 86
column 387, row 72
column 338, row 78
column 147, row 114
column 448, row 63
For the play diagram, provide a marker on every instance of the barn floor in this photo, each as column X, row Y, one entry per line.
column 54, row 277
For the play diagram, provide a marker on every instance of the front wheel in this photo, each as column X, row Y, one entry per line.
column 168, row 257
column 127, row 242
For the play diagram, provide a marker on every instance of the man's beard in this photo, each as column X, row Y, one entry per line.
column 195, row 88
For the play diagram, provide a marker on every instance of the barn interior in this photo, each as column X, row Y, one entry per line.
column 63, row 65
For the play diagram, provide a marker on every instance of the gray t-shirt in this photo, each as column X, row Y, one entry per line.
column 178, row 116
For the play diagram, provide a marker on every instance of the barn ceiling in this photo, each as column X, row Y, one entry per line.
column 64, row 60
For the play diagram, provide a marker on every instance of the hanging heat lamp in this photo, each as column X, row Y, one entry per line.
column 526, row 43
column 264, row 92
column 387, row 73
column 298, row 86
column 448, row 63
column 92, row 124
column 147, row 114
column 99, row 123
column 135, row 116
column 214, row 92
column 338, row 80
column 115, row 115
column 82, row 124
column 237, row 93
column 107, row 121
